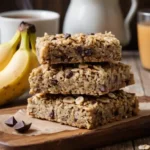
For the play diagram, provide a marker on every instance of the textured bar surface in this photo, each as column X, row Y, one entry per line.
column 83, row 111
column 80, row 79
column 60, row 48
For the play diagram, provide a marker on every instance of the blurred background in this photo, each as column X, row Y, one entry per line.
column 61, row 6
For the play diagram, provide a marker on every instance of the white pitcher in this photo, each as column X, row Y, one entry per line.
column 91, row 16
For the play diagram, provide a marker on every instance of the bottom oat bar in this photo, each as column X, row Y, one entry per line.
column 83, row 111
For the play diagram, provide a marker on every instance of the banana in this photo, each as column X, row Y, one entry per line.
column 8, row 49
column 33, row 40
column 14, row 78
column 32, row 37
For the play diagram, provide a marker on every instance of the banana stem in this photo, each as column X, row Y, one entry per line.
column 27, row 26
column 24, row 41
column 16, row 39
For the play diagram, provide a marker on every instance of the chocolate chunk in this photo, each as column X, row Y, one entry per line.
column 75, row 119
column 54, row 82
column 108, row 46
column 11, row 122
column 66, row 36
column 63, row 57
column 127, row 82
column 92, row 33
column 90, row 66
column 69, row 74
column 115, row 79
column 102, row 88
column 116, row 113
column 54, row 38
column 21, row 127
column 88, row 52
column 79, row 50
column 51, row 115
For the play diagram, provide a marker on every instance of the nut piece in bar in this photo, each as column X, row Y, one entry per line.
column 11, row 121
column 21, row 127
column 67, row 35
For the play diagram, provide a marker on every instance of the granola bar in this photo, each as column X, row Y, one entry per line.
column 80, row 78
column 83, row 111
column 78, row 48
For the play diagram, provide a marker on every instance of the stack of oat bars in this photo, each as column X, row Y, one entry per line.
column 78, row 81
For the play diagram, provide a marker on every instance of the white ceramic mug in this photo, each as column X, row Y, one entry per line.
column 45, row 21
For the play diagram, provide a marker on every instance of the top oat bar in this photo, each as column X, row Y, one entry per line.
column 78, row 48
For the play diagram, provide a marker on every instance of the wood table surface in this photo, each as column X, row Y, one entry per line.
column 141, row 88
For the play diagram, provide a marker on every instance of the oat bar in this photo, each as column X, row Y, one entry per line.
column 83, row 111
column 66, row 48
column 80, row 79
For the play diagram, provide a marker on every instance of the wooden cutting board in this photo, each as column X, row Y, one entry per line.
column 81, row 138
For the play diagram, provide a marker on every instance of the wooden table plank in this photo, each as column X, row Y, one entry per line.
column 131, row 58
column 122, row 146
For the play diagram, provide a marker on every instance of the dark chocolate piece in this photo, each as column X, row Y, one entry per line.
column 21, row 127
column 11, row 121
column 92, row 33
column 54, row 38
column 79, row 50
column 88, row 52
column 67, row 36
column 63, row 57
column 54, row 82
column 69, row 74
column 52, row 114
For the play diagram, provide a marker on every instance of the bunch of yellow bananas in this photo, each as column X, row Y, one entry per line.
column 16, row 65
